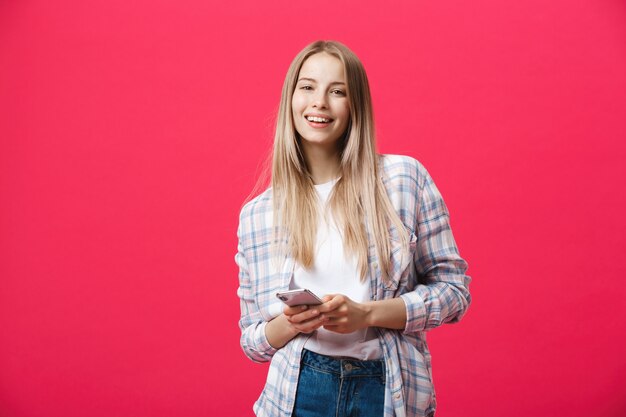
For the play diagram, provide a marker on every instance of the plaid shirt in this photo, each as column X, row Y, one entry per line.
column 431, row 281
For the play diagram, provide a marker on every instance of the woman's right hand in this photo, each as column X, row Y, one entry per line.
column 304, row 319
column 293, row 321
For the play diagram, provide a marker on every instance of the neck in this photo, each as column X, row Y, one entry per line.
column 323, row 163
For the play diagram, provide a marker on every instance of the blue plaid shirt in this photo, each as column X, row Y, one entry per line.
column 431, row 281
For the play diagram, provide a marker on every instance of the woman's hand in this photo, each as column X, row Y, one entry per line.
column 304, row 319
column 342, row 315
column 346, row 316
column 293, row 321
column 338, row 314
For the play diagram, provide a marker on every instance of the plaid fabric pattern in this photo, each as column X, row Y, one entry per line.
column 430, row 279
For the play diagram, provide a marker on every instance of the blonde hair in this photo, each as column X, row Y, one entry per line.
column 359, row 201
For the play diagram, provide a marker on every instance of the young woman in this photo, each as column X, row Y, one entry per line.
column 370, row 233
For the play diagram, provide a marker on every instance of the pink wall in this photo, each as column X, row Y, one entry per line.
column 131, row 133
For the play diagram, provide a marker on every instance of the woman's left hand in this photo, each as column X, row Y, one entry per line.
column 343, row 315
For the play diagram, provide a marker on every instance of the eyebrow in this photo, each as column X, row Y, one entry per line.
column 311, row 79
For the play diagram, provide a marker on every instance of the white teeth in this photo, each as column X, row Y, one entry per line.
column 317, row 119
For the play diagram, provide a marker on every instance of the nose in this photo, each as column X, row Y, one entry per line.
column 320, row 99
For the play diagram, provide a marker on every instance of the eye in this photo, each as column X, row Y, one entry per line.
column 306, row 87
column 338, row 92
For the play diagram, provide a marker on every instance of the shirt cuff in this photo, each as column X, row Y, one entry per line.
column 415, row 312
column 260, row 341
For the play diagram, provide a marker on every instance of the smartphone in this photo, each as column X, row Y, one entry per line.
column 298, row 297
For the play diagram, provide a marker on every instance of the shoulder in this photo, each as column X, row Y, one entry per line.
column 255, row 211
column 402, row 168
column 258, row 203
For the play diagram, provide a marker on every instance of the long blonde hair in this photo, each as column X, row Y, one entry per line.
column 359, row 201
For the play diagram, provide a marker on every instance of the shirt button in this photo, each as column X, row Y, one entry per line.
column 396, row 395
column 375, row 265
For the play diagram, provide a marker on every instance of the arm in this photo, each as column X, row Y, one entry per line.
column 342, row 315
column 253, row 340
column 294, row 320
column 279, row 331
column 442, row 294
column 260, row 339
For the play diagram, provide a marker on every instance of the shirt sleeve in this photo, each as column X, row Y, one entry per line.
column 442, row 294
column 253, row 340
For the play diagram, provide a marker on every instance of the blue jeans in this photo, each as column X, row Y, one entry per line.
column 339, row 387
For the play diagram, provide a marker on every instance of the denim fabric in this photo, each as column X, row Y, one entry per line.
column 339, row 387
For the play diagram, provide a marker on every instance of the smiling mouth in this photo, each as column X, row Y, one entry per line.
column 316, row 119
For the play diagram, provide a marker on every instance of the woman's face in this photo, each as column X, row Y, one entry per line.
column 320, row 105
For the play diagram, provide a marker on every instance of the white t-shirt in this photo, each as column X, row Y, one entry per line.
column 334, row 273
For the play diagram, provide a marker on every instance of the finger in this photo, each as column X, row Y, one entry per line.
column 340, row 312
column 332, row 304
column 290, row 311
column 334, row 319
column 310, row 325
column 304, row 316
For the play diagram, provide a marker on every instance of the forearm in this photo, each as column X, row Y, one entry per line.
column 279, row 331
column 389, row 314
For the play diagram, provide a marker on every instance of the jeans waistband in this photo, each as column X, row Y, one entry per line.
column 343, row 367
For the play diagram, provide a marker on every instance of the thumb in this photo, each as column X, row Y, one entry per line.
column 328, row 297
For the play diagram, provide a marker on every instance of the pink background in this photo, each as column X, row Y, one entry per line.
column 132, row 131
